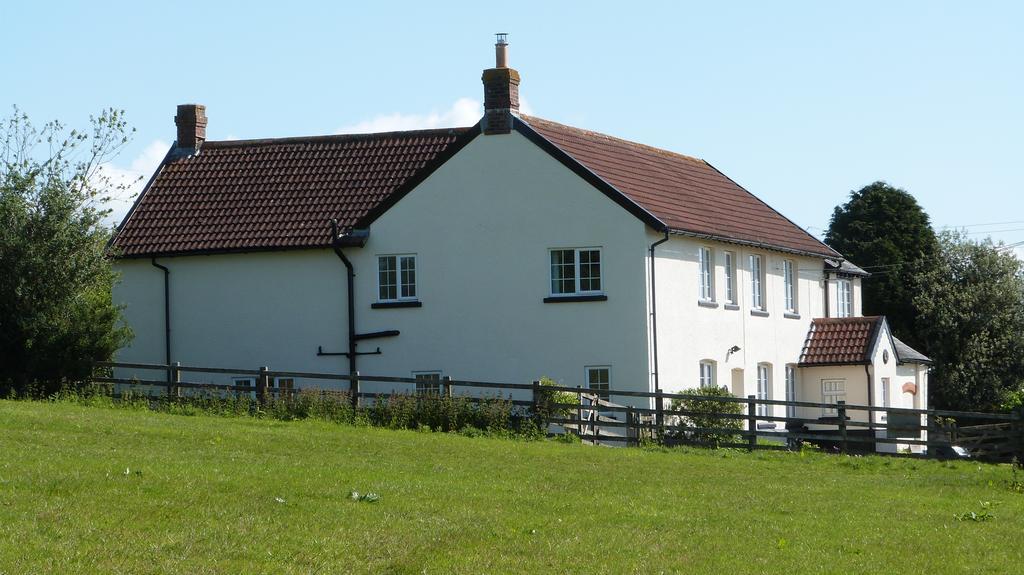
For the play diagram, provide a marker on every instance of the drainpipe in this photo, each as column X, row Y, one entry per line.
column 167, row 310
column 350, row 277
column 871, row 392
column 826, row 295
column 654, row 313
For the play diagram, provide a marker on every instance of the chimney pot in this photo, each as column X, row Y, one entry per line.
column 191, row 123
column 501, row 91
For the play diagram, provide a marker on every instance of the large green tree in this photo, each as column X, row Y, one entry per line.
column 971, row 305
column 884, row 230
column 56, row 311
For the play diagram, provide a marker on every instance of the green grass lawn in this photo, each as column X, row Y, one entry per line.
column 92, row 489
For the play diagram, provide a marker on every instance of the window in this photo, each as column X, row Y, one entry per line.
column 832, row 392
column 707, row 374
column 845, row 300
column 756, row 283
column 789, row 285
column 285, row 385
column 707, row 286
column 885, row 397
column 575, row 271
column 599, row 380
column 790, row 390
column 763, row 387
column 428, row 382
column 730, row 278
column 396, row 278
column 247, row 382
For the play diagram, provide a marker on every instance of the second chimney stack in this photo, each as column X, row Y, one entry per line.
column 191, row 123
column 501, row 91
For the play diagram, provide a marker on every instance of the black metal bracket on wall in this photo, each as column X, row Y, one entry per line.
column 358, row 337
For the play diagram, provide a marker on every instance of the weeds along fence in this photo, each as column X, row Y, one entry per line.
column 665, row 418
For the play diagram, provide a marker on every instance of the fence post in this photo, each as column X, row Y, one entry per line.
column 447, row 386
column 659, row 397
column 174, row 377
column 262, row 382
column 579, row 411
column 752, row 422
column 353, row 389
column 536, row 400
column 1020, row 436
column 841, row 412
column 630, row 432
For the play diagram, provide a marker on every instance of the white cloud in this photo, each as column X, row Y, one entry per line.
column 464, row 112
column 133, row 177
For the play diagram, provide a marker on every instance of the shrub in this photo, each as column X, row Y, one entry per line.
column 707, row 412
column 549, row 399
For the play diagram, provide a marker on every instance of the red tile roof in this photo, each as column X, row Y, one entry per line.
column 687, row 194
column 272, row 194
column 840, row 341
column 282, row 193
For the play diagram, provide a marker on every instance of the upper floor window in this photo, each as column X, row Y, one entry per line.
column 396, row 277
column 575, row 271
column 707, row 374
column 730, row 277
column 789, row 285
column 707, row 284
column 844, row 305
column 756, row 282
column 599, row 379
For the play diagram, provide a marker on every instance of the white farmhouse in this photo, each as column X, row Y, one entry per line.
column 510, row 250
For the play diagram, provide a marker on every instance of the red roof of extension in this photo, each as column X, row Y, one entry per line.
column 688, row 194
column 841, row 341
column 272, row 194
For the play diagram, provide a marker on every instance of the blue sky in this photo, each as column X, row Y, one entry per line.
column 799, row 102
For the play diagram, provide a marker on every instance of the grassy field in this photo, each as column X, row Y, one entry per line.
column 92, row 489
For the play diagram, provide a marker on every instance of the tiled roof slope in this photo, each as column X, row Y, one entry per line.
column 687, row 194
column 838, row 341
column 907, row 354
column 272, row 194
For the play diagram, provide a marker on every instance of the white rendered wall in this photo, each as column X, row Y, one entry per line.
column 689, row 333
column 480, row 227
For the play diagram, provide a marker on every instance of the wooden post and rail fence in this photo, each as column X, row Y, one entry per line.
column 643, row 416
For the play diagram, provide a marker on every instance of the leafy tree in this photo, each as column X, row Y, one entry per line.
column 885, row 230
column 56, row 312
column 971, row 306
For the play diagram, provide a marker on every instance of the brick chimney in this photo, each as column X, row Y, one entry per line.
column 501, row 91
column 191, row 122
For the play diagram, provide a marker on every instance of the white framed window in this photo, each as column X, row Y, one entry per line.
column 844, row 301
column 790, row 390
column 427, row 382
column 756, row 282
column 885, row 397
column 730, row 277
column 245, row 381
column 832, row 392
column 764, row 386
column 575, row 271
column 599, row 380
column 286, row 385
column 396, row 277
column 707, row 374
column 707, row 273
column 789, row 285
